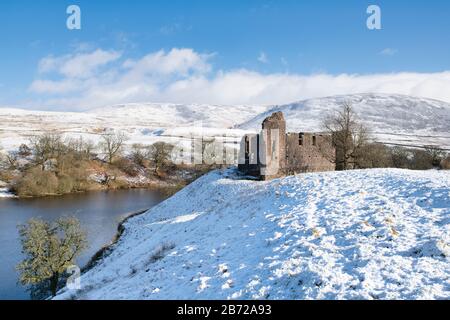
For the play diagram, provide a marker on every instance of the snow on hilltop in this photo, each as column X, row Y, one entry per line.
column 370, row 234
column 392, row 118
column 143, row 123
column 169, row 115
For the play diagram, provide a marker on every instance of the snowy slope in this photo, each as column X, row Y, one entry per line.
column 391, row 118
column 374, row 234
column 143, row 123
column 168, row 115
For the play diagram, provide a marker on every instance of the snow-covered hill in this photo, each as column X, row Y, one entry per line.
column 168, row 115
column 142, row 123
column 391, row 118
column 371, row 234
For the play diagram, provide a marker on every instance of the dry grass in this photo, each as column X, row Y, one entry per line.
column 160, row 252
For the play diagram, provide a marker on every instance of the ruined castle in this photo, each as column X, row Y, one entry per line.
column 274, row 153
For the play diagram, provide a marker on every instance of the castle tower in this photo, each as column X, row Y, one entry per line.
column 273, row 146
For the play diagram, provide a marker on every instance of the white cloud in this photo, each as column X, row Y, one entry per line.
column 80, row 65
column 263, row 58
column 388, row 52
column 186, row 76
column 176, row 61
column 54, row 87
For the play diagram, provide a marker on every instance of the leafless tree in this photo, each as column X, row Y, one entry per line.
column 160, row 155
column 401, row 157
column 112, row 144
column 24, row 151
column 139, row 153
column 436, row 154
column 46, row 146
column 348, row 134
column 81, row 148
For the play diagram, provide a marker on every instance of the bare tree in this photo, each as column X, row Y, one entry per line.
column 348, row 136
column 24, row 151
column 11, row 160
column 160, row 155
column 46, row 147
column 112, row 144
column 401, row 157
column 81, row 149
column 139, row 153
column 436, row 154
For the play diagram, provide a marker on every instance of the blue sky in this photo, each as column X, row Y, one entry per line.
column 239, row 39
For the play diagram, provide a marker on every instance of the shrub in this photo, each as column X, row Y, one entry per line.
column 37, row 182
column 127, row 166
column 445, row 164
column 436, row 154
column 374, row 155
column 401, row 157
column 65, row 184
column 139, row 153
column 421, row 160
column 79, row 178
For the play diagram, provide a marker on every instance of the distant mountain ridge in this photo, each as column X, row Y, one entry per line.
column 173, row 114
column 397, row 119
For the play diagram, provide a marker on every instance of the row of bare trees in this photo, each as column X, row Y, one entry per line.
column 52, row 146
column 158, row 154
column 49, row 164
column 355, row 148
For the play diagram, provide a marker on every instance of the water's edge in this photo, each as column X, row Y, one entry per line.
column 107, row 249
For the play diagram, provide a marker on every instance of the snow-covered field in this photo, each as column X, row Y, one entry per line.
column 392, row 119
column 370, row 234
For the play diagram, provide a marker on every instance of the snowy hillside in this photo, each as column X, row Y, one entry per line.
column 375, row 234
column 142, row 123
column 180, row 115
column 392, row 118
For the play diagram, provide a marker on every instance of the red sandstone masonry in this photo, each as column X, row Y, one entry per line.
column 275, row 153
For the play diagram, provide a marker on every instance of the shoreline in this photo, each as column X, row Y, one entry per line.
column 164, row 187
column 107, row 249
